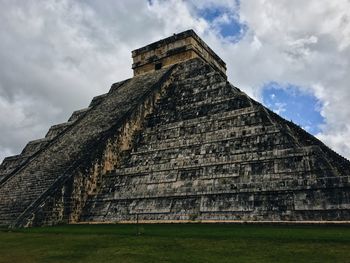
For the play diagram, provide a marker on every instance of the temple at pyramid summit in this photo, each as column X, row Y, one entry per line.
column 175, row 143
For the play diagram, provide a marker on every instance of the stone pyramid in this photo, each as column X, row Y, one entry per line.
column 175, row 143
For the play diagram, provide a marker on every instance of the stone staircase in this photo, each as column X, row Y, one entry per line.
column 44, row 165
column 209, row 152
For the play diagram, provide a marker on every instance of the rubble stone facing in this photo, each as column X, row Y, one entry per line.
column 175, row 144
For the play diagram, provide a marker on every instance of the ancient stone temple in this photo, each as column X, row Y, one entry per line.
column 175, row 143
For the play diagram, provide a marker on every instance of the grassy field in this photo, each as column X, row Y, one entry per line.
column 176, row 243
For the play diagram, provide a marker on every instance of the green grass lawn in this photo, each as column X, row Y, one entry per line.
column 176, row 243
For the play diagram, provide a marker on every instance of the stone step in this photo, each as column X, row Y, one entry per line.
column 188, row 129
column 195, row 91
column 209, row 173
column 222, row 116
column 97, row 100
column 11, row 163
column 247, row 164
column 78, row 114
column 34, row 146
column 213, row 159
column 196, row 188
column 235, row 139
column 212, row 76
column 217, row 200
column 36, row 180
column 216, row 100
column 2, row 174
column 187, row 95
column 196, row 110
column 57, row 129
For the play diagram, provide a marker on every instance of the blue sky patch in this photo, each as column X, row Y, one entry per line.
column 233, row 29
column 210, row 14
column 294, row 104
column 230, row 27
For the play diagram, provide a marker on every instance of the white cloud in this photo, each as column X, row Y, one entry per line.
column 307, row 46
column 57, row 55
column 310, row 47
column 279, row 107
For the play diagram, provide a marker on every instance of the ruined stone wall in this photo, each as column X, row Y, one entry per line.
column 166, row 62
column 207, row 56
column 173, row 50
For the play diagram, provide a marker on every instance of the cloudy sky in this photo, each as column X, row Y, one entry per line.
column 56, row 55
